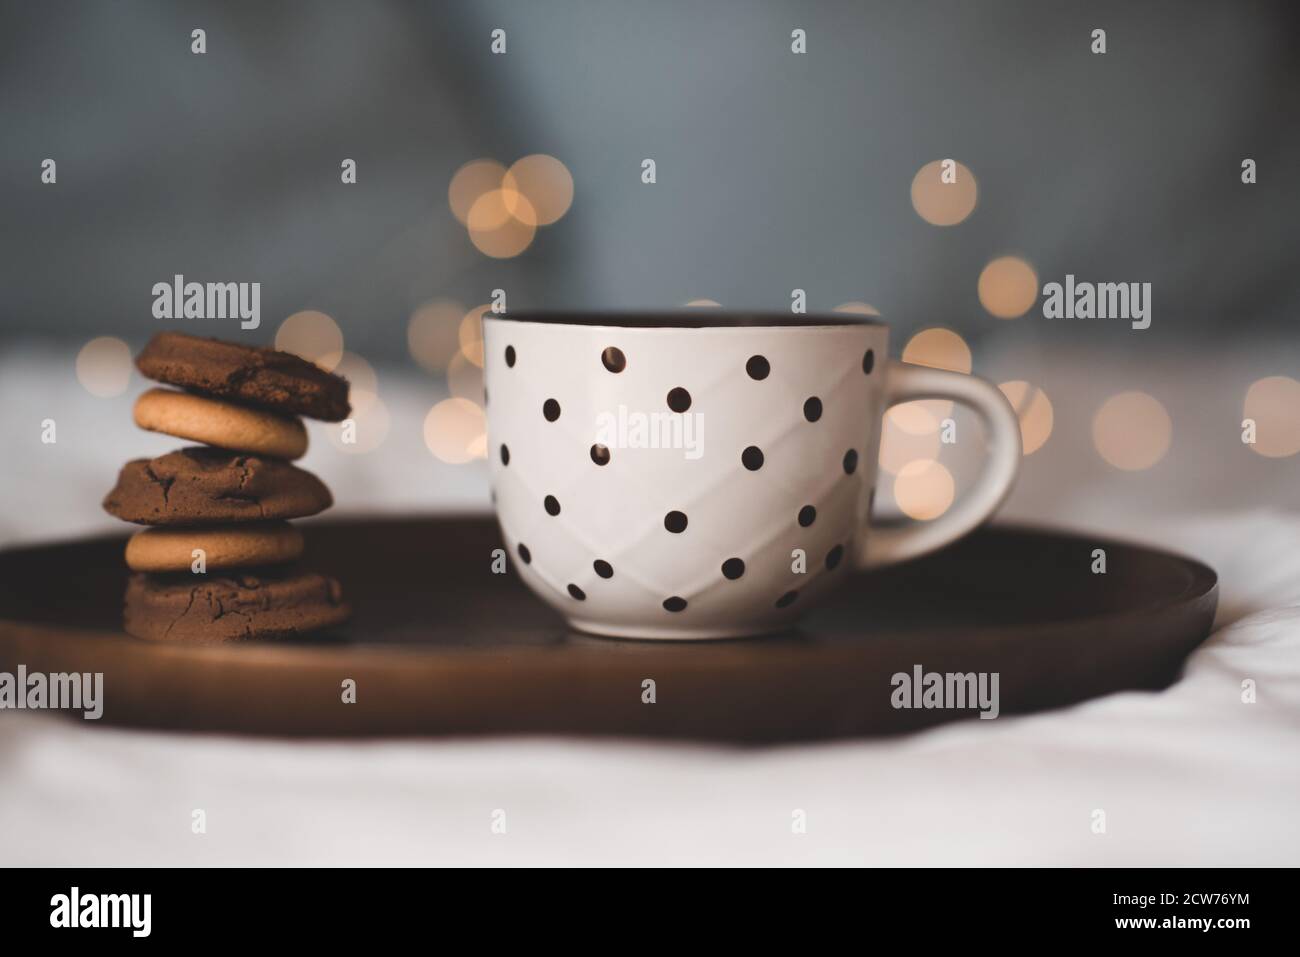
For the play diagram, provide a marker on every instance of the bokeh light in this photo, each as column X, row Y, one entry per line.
column 1132, row 431
column 478, row 447
column 455, row 431
column 465, row 379
column 703, row 304
column 940, row 203
column 433, row 333
column 470, row 334
column 1034, row 410
column 1008, row 287
column 858, row 308
column 104, row 367
column 915, row 418
column 366, row 427
column 363, row 383
column 914, row 436
column 924, row 490
column 1274, row 404
column 497, row 232
column 938, row 348
column 314, row 336
column 489, row 212
column 470, row 182
column 546, row 185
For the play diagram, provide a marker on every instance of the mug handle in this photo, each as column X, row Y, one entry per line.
column 905, row 383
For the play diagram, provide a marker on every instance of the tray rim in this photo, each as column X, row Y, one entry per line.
column 1203, row 586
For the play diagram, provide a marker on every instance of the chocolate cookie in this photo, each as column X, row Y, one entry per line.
column 204, row 610
column 268, row 378
column 202, row 486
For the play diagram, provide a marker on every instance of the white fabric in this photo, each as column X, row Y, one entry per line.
column 1191, row 775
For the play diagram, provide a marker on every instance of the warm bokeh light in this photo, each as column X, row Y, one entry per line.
column 940, row 203
column 547, row 185
column 924, row 490
column 363, row 383
column 1008, row 287
column 703, row 304
column 497, row 232
column 470, row 334
column 365, row 429
column 470, row 182
column 1034, row 411
column 104, row 367
column 1132, row 431
column 912, row 435
column 1274, row 404
column 915, row 418
column 455, row 430
column 433, row 333
column 858, row 308
column 938, row 348
column 314, row 336
column 489, row 212
column 465, row 379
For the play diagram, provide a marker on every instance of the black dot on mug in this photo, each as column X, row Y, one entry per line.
column 752, row 458
column 613, row 359
column 807, row 515
column 552, row 505
column 505, row 454
column 524, row 553
column 679, row 400
column 674, row 604
column 833, row 557
column 786, row 600
column 812, row 409
column 603, row 568
column 733, row 568
column 600, row 454
column 869, row 361
column 577, row 593
column 485, row 402
column 850, row 461
column 757, row 367
column 675, row 522
column 551, row 409
column 510, row 356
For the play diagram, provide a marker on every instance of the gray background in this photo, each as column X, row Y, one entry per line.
column 775, row 171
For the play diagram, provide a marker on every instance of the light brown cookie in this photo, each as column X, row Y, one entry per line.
column 231, row 546
column 226, row 426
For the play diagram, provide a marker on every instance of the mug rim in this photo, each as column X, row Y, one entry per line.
column 701, row 319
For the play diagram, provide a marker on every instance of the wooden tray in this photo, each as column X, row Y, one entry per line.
column 439, row 645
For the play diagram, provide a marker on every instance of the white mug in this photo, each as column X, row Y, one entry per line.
column 661, row 475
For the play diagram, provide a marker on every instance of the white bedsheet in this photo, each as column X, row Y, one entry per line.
column 1191, row 775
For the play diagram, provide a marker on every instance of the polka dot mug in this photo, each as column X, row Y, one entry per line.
column 705, row 474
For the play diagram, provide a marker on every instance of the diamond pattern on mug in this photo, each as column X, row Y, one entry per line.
column 672, row 452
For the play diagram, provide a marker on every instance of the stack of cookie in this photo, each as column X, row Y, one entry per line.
column 217, row 565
